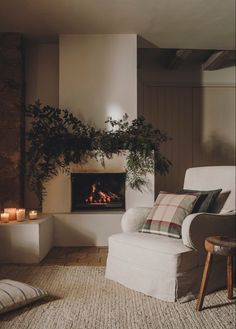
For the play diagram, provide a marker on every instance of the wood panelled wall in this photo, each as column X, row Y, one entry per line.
column 11, row 120
column 200, row 121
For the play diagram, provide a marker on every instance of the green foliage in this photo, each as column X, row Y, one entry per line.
column 57, row 138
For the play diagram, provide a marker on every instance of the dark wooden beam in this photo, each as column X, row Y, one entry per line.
column 183, row 53
column 177, row 59
column 140, row 57
column 218, row 60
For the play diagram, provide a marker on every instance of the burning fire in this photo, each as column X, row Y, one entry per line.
column 99, row 197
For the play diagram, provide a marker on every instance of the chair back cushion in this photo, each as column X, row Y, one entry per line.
column 212, row 178
column 206, row 200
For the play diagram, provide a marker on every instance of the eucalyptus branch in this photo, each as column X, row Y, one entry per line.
column 57, row 138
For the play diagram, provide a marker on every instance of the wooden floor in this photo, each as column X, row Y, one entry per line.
column 90, row 256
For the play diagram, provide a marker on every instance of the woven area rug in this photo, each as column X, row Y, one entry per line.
column 81, row 298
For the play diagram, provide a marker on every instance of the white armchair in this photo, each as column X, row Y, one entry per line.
column 197, row 227
column 168, row 268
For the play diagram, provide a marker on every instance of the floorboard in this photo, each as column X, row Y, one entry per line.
column 90, row 256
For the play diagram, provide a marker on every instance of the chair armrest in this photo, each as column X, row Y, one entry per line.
column 197, row 227
column 134, row 218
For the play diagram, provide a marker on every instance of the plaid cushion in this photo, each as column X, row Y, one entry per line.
column 205, row 201
column 168, row 213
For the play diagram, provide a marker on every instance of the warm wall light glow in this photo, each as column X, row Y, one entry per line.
column 115, row 111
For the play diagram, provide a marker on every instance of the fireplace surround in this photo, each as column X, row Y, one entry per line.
column 97, row 191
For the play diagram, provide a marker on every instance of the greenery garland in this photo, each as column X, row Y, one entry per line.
column 57, row 138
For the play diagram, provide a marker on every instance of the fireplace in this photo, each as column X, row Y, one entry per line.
column 97, row 191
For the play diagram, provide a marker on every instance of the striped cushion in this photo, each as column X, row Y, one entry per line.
column 168, row 213
column 14, row 294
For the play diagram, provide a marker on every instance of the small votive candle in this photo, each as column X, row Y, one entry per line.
column 20, row 215
column 11, row 212
column 33, row 214
column 5, row 217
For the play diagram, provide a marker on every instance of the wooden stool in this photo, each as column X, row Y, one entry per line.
column 218, row 245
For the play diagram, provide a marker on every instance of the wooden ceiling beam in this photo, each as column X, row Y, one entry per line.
column 217, row 60
column 179, row 56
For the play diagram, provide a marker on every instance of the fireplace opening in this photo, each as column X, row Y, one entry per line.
column 97, row 191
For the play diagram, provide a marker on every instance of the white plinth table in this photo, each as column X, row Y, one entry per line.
column 26, row 242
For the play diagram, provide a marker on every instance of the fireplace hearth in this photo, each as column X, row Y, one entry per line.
column 97, row 191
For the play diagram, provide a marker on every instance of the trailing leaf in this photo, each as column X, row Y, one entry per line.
column 57, row 138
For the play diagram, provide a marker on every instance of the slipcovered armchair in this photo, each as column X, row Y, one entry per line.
column 167, row 268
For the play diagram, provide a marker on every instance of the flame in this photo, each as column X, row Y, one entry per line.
column 100, row 197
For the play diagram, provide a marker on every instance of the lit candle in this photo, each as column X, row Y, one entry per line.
column 33, row 214
column 5, row 217
column 11, row 212
column 20, row 215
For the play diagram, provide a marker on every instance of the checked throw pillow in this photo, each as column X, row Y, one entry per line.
column 168, row 213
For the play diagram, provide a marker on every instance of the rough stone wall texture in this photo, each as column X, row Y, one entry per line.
column 11, row 120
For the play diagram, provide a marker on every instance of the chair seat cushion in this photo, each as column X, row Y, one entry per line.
column 153, row 251
column 157, row 266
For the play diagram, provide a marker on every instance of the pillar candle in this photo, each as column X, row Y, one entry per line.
column 33, row 214
column 5, row 217
column 20, row 215
column 11, row 212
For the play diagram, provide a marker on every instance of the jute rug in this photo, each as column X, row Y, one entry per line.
column 81, row 298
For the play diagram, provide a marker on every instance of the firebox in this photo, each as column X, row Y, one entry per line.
column 98, row 191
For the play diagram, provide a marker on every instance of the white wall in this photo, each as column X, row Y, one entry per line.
column 42, row 82
column 98, row 76
column 58, row 199
column 97, row 79
column 86, row 227
column 222, row 77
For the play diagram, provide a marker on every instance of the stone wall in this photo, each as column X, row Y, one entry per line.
column 11, row 120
